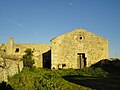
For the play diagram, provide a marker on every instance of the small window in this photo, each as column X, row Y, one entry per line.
column 63, row 65
column 17, row 50
column 53, row 67
column 81, row 38
column 4, row 50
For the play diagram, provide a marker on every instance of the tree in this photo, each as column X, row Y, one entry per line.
column 28, row 60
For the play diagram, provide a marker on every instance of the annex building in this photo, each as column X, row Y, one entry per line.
column 76, row 49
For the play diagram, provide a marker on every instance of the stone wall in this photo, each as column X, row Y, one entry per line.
column 38, row 49
column 70, row 50
column 67, row 47
column 9, row 67
column 13, row 49
column 11, row 54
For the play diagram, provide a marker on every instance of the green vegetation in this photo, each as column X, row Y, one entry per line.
column 99, row 77
column 28, row 60
column 46, row 79
column 40, row 79
column 91, row 72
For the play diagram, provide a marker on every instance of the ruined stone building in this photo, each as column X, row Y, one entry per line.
column 76, row 49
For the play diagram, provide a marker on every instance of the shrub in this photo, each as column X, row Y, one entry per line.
column 28, row 60
column 91, row 72
column 40, row 79
column 95, row 72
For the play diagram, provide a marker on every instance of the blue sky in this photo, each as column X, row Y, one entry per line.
column 37, row 21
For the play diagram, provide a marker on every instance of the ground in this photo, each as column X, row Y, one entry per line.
column 111, row 82
column 105, row 76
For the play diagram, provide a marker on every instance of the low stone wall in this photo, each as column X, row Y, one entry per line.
column 9, row 67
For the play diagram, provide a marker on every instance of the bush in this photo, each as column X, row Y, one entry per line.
column 28, row 60
column 95, row 72
column 40, row 79
column 46, row 79
column 91, row 72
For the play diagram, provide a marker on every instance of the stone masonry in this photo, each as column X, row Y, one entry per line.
column 9, row 67
column 76, row 49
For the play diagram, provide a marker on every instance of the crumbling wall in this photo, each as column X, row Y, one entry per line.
column 9, row 67
column 39, row 49
column 13, row 50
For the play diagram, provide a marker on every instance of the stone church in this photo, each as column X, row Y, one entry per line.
column 76, row 49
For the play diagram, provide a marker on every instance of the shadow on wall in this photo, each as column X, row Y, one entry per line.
column 5, row 86
column 47, row 59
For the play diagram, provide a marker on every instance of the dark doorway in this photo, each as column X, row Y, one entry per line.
column 47, row 59
column 81, row 60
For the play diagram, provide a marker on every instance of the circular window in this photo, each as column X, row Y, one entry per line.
column 81, row 38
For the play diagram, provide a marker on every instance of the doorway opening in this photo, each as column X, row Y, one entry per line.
column 47, row 59
column 81, row 60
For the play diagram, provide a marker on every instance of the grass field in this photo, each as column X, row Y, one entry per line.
column 105, row 77
column 111, row 82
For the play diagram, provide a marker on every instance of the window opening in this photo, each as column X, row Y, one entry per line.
column 81, row 38
column 17, row 50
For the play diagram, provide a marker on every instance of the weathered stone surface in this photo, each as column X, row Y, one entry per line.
column 67, row 48
column 76, row 49
column 2, row 63
column 16, row 51
column 9, row 68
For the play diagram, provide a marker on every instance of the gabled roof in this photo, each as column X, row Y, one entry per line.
column 81, row 29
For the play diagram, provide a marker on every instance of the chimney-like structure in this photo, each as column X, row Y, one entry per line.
column 10, row 46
